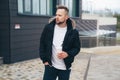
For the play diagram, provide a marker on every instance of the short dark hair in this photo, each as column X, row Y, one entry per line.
column 63, row 7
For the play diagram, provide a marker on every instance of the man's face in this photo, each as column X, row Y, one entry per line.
column 61, row 16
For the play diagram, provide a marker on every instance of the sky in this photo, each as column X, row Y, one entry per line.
column 113, row 5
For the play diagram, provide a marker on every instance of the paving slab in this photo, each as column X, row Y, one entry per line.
column 104, row 67
column 80, row 66
column 99, row 63
column 33, row 69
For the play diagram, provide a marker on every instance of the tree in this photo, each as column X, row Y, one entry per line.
column 117, row 15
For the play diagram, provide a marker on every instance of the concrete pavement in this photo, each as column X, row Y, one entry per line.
column 104, row 67
column 91, row 64
column 104, row 63
column 33, row 69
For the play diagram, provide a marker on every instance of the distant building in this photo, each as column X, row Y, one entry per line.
column 97, row 31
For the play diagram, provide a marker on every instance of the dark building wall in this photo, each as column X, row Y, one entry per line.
column 4, row 30
column 24, row 40
column 19, row 34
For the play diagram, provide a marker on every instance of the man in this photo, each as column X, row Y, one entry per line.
column 59, row 44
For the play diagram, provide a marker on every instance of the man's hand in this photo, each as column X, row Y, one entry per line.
column 62, row 55
column 46, row 63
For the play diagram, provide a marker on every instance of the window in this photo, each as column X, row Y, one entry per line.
column 27, row 6
column 46, row 7
column 20, row 6
column 35, row 7
column 71, row 4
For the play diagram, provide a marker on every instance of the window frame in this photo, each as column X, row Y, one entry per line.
column 24, row 7
column 49, row 12
column 75, row 7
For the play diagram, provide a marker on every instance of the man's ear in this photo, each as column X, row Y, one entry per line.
column 67, row 17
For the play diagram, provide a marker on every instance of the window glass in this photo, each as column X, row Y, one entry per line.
column 27, row 4
column 48, row 7
column 20, row 6
column 43, row 7
column 36, row 6
column 71, row 5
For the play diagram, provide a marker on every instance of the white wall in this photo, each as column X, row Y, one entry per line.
column 90, row 16
column 100, row 20
column 107, row 21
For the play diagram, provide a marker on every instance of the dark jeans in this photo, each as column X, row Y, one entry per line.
column 52, row 73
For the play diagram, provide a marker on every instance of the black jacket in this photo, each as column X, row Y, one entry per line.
column 71, row 43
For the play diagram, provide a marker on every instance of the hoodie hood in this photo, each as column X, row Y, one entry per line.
column 70, row 22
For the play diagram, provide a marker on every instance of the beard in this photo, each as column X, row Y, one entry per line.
column 61, row 22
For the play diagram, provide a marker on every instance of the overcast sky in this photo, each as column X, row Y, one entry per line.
column 101, row 4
